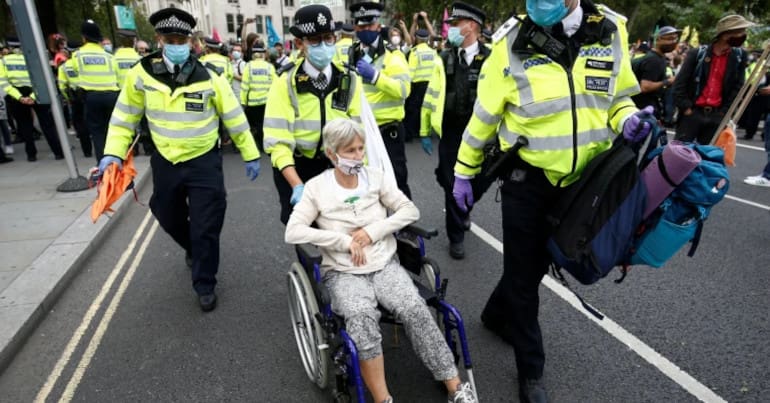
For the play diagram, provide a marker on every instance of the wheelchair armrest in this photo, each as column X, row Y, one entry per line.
column 308, row 253
column 421, row 231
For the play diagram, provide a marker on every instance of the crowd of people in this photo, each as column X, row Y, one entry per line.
column 301, row 104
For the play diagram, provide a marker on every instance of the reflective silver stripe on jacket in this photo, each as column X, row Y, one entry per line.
column 557, row 143
column 212, row 126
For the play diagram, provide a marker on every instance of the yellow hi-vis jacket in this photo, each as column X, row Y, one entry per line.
column 184, row 123
column 568, row 116
column 67, row 78
column 258, row 75
column 221, row 64
column 123, row 60
column 295, row 117
column 391, row 88
column 14, row 74
column 95, row 69
column 341, row 54
column 422, row 61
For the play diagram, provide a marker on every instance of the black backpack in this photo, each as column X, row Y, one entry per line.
column 595, row 222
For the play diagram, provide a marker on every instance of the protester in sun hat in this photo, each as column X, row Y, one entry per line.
column 299, row 106
column 710, row 79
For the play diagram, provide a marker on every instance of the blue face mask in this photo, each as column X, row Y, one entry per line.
column 546, row 12
column 320, row 56
column 367, row 37
column 455, row 37
column 108, row 48
column 177, row 54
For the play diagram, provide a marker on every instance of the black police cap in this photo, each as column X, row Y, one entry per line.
column 312, row 20
column 91, row 31
column 366, row 13
column 422, row 33
column 12, row 42
column 172, row 21
column 466, row 11
column 212, row 43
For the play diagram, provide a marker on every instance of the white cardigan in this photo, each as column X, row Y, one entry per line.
column 336, row 220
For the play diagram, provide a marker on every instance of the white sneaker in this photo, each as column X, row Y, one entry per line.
column 463, row 394
column 8, row 149
column 758, row 180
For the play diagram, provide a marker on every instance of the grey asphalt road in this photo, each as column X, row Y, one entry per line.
column 707, row 314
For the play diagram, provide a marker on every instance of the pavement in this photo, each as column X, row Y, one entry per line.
column 45, row 235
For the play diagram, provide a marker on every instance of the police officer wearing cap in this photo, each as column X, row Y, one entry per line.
column 258, row 76
column 422, row 61
column 97, row 83
column 386, row 78
column 344, row 44
column 448, row 107
column 183, row 102
column 21, row 101
column 562, row 79
column 67, row 81
column 214, row 59
column 300, row 102
column 125, row 56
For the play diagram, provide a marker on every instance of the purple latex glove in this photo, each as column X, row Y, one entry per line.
column 639, row 125
column 463, row 193
column 366, row 71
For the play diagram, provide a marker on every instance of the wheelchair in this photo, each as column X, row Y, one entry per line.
column 324, row 346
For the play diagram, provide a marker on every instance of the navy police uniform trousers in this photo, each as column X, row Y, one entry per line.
column 189, row 202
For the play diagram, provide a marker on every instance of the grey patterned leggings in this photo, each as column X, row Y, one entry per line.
column 355, row 297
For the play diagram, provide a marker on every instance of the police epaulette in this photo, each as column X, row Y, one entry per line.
column 504, row 29
column 214, row 68
column 613, row 15
column 286, row 67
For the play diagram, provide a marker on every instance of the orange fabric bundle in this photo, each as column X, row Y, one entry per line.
column 726, row 140
column 112, row 185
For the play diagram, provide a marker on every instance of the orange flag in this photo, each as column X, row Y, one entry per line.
column 112, row 185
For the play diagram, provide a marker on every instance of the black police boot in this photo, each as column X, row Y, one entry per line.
column 208, row 302
column 532, row 391
column 457, row 251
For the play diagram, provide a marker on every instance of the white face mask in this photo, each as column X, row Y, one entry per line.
column 396, row 40
column 349, row 166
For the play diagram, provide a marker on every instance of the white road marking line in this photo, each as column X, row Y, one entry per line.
column 88, row 355
column 749, row 202
column 66, row 355
column 665, row 366
column 672, row 133
column 750, row 147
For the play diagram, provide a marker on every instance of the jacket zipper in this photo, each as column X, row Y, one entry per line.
column 573, row 103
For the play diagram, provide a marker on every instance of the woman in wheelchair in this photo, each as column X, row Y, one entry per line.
column 349, row 206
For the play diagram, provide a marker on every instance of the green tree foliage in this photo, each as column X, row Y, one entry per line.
column 70, row 14
column 643, row 16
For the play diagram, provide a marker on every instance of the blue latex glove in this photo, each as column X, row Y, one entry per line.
column 296, row 194
column 427, row 145
column 639, row 125
column 366, row 71
column 252, row 169
column 106, row 161
column 463, row 193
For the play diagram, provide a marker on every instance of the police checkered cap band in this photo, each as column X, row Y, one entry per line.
column 462, row 13
column 307, row 28
column 364, row 13
column 173, row 23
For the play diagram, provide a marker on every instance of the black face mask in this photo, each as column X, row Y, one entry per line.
column 667, row 48
column 736, row 41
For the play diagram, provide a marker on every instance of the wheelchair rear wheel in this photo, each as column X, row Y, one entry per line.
column 309, row 334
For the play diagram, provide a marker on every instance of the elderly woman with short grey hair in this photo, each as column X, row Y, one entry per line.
column 349, row 205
